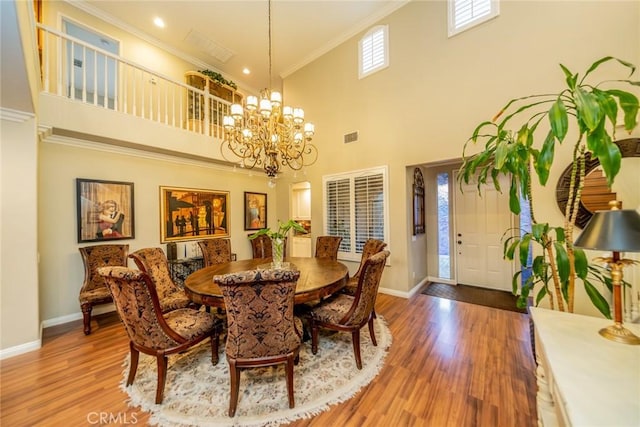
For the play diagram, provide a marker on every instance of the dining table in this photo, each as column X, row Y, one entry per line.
column 319, row 277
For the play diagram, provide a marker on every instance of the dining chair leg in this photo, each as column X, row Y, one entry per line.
column 372, row 332
column 133, row 363
column 289, row 369
column 215, row 338
column 162, row 377
column 355, row 336
column 314, row 338
column 86, row 318
column 234, row 372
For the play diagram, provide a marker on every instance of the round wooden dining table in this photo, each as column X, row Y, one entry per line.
column 319, row 277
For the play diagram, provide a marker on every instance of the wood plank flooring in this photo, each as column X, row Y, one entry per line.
column 450, row 364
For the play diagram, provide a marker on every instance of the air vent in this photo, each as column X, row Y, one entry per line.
column 208, row 46
column 351, row 137
column 77, row 63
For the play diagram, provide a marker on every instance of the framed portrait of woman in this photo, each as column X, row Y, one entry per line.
column 255, row 211
column 105, row 210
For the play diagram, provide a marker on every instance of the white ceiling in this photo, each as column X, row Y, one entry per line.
column 302, row 30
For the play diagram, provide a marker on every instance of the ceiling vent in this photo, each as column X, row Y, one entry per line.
column 351, row 137
column 210, row 47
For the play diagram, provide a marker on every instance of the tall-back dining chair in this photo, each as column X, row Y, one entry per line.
column 94, row 291
column 215, row 251
column 261, row 327
column 350, row 313
column 149, row 330
column 154, row 262
column 371, row 247
column 327, row 247
column 261, row 246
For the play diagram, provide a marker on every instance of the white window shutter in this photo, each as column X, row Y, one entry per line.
column 465, row 14
column 374, row 51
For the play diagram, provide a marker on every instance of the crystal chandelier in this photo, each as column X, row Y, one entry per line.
column 267, row 134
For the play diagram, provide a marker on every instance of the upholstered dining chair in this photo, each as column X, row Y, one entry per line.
column 261, row 327
column 350, row 313
column 154, row 262
column 215, row 251
column 94, row 291
column 261, row 246
column 149, row 330
column 371, row 247
column 327, row 247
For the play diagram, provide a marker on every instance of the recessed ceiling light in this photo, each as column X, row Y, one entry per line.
column 245, row 70
column 159, row 22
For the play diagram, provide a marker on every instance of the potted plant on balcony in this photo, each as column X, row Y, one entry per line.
column 278, row 237
column 528, row 152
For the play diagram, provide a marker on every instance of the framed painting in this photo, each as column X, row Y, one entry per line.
column 190, row 213
column 255, row 211
column 104, row 210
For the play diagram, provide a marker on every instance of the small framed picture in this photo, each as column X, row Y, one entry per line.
column 104, row 210
column 255, row 211
column 190, row 213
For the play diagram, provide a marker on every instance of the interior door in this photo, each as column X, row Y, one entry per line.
column 480, row 222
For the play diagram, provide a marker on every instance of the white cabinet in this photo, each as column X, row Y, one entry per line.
column 301, row 203
column 301, row 247
column 583, row 378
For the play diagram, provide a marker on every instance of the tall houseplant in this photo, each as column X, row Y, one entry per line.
column 528, row 152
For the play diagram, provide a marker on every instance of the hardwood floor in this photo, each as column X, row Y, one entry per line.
column 450, row 364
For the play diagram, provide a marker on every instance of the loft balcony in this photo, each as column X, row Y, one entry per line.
column 90, row 94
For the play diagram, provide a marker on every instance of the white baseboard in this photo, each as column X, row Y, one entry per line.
column 106, row 308
column 20, row 349
column 404, row 294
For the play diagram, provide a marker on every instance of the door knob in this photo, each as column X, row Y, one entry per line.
column 459, row 242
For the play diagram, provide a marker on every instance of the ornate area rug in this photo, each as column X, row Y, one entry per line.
column 197, row 393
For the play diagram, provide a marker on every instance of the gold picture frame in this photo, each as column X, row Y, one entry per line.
column 255, row 210
column 192, row 213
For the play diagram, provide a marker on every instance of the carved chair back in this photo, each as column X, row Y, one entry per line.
column 327, row 247
column 215, row 251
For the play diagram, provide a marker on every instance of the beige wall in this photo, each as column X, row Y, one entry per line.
column 424, row 106
column 61, row 269
column 19, row 316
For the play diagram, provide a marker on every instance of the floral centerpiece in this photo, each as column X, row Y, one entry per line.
column 278, row 238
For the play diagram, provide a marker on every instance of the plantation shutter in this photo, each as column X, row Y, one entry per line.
column 373, row 51
column 464, row 14
column 338, row 195
column 369, row 209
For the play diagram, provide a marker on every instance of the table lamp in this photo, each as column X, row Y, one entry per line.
column 615, row 230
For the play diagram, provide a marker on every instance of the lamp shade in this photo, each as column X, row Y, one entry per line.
column 614, row 230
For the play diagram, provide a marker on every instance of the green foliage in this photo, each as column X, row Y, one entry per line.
column 283, row 229
column 593, row 111
column 218, row 77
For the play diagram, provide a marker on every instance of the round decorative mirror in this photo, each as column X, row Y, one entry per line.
column 595, row 193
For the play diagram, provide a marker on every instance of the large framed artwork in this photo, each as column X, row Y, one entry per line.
column 255, row 211
column 190, row 213
column 104, row 210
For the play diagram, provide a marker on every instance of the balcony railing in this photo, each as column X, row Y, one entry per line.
column 77, row 70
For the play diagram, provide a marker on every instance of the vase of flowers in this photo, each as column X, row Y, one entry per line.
column 278, row 238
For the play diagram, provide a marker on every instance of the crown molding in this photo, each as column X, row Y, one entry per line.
column 15, row 115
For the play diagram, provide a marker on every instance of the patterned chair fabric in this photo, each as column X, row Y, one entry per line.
column 149, row 330
column 350, row 313
column 371, row 247
column 93, row 290
column 261, row 327
column 327, row 247
column 215, row 251
column 261, row 246
column 154, row 262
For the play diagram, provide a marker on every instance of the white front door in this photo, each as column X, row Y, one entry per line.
column 480, row 223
